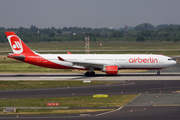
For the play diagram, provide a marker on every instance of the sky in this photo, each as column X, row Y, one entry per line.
column 87, row 13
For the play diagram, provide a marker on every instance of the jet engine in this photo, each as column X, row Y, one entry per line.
column 112, row 70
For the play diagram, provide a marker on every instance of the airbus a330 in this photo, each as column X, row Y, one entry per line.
column 109, row 63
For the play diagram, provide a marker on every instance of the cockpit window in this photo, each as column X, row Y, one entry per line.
column 169, row 59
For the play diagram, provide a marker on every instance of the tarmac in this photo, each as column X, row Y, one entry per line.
column 172, row 73
column 159, row 96
column 97, row 77
column 157, row 100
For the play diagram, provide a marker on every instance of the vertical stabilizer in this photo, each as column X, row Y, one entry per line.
column 17, row 45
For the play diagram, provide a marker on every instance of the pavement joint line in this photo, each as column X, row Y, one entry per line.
column 118, row 108
column 134, row 98
column 109, row 111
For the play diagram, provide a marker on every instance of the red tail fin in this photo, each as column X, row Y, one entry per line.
column 17, row 45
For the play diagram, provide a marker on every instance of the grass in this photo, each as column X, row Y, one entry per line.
column 5, row 59
column 9, row 85
column 79, row 101
column 168, row 53
column 24, row 67
column 105, row 45
column 77, row 45
column 48, row 111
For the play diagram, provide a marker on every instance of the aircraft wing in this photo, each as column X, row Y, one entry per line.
column 87, row 64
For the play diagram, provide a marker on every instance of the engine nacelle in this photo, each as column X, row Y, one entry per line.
column 113, row 70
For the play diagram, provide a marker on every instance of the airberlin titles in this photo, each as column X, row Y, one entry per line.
column 143, row 60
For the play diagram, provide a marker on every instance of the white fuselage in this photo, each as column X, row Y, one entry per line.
column 123, row 61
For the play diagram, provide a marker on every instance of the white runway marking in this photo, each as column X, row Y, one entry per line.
column 56, row 77
column 65, row 77
column 109, row 111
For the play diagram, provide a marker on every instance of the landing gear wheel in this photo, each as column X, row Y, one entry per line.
column 90, row 73
column 93, row 73
column 158, row 73
column 87, row 74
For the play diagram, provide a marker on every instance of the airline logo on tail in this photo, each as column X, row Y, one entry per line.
column 16, row 44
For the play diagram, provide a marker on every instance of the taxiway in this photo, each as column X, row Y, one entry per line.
column 158, row 95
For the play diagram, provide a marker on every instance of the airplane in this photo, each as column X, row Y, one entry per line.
column 109, row 63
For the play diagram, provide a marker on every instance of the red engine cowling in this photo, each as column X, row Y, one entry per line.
column 113, row 70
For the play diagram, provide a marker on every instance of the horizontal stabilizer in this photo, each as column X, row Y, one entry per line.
column 19, row 57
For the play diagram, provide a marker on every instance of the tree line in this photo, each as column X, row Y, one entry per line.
column 143, row 32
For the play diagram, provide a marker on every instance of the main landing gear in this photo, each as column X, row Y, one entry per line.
column 158, row 72
column 90, row 73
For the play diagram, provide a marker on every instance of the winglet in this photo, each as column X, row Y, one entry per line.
column 69, row 53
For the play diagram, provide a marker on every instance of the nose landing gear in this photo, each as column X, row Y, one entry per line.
column 158, row 72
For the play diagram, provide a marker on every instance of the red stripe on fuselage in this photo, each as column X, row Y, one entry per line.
column 40, row 61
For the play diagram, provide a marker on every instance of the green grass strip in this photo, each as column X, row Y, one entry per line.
column 79, row 101
column 48, row 111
